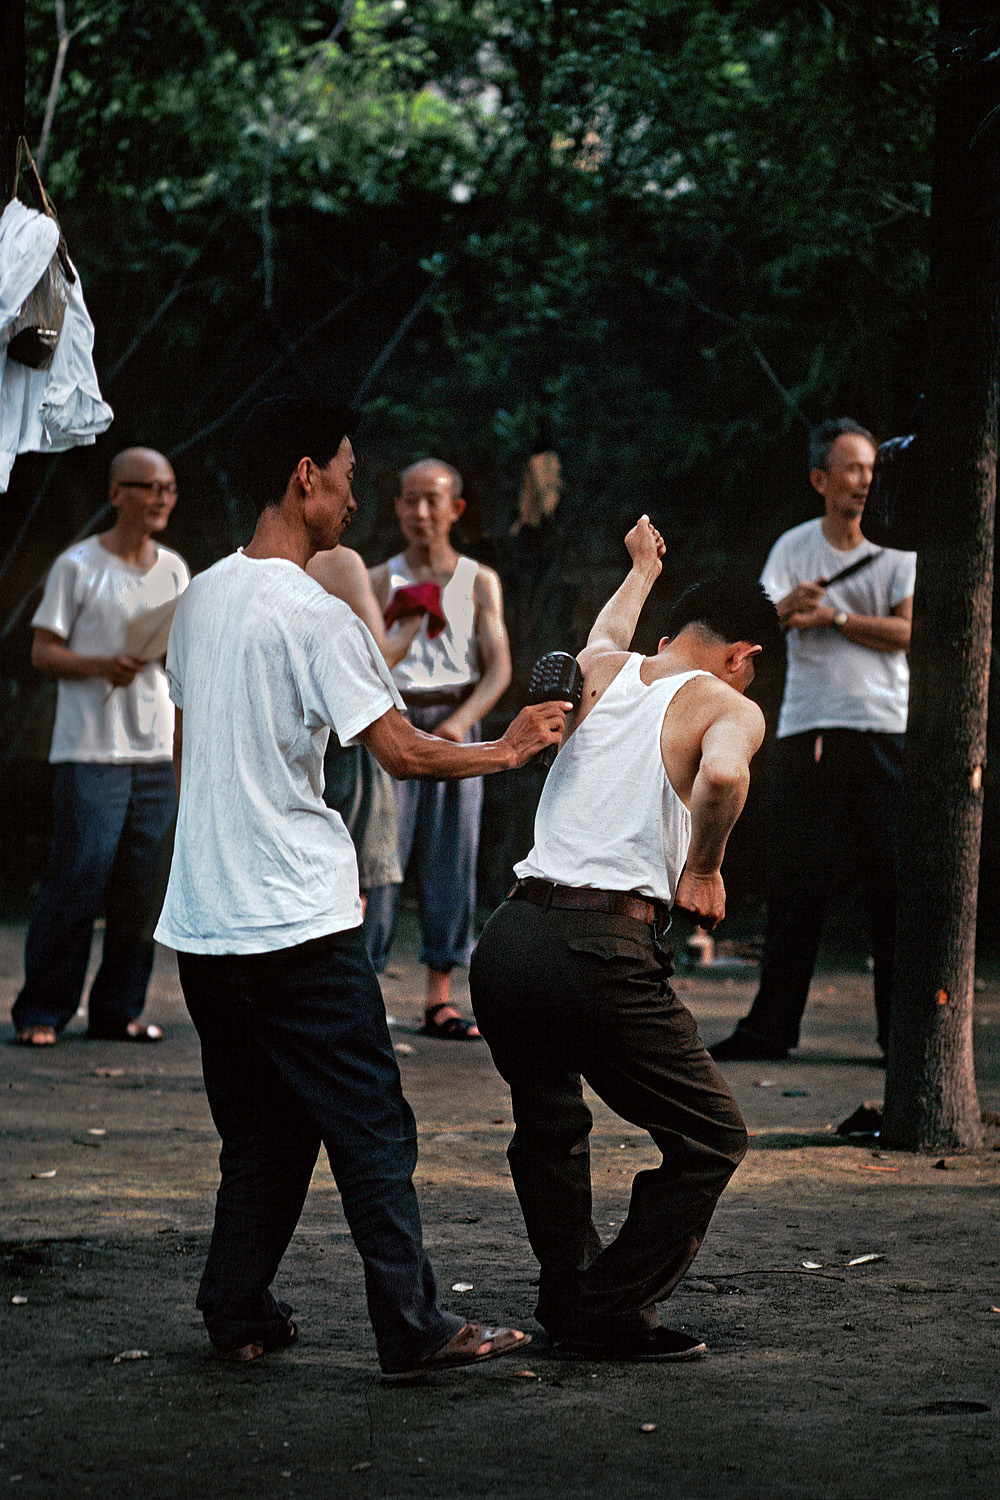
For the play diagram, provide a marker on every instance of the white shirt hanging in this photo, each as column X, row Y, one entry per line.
column 42, row 411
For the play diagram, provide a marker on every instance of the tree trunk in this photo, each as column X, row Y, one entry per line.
column 12, row 67
column 931, row 1100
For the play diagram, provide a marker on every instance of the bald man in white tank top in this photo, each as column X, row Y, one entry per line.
column 569, row 980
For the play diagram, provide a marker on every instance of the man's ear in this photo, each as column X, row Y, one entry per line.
column 664, row 643
column 739, row 654
column 818, row 479
column 458, row 506
column 303, row 473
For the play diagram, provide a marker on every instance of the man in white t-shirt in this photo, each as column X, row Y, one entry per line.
column 836, row 768
column 263, row 908
column 113, row 794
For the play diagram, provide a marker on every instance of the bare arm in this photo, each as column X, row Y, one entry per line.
column 717, row 797
column 406, row 752
column 494, row 654
column 615, row 625
column 178, row 745
column 879, row 632
column 343, row 574
column 49, row 653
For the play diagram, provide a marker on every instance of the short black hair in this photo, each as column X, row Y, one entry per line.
column 823, row 437
column 734, row 609
column 269, row 443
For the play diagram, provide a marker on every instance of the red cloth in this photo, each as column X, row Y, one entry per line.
column 418, row 599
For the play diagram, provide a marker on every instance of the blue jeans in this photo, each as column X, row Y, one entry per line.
column 110, row 822
column 439, row 836
column 296, row 1053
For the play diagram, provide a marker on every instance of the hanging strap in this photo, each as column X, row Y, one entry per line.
column 48, row 207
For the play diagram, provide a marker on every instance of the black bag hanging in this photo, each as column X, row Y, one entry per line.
column 893, row 515
column 37, row 327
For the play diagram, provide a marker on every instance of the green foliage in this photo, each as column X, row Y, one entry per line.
column 660, row 236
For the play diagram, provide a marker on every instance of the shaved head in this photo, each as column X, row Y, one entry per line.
column 431, row 466
column 133, row 463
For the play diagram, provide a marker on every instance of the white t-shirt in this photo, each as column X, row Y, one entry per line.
column 833, row 683
column 91, row 597
column 263, row 662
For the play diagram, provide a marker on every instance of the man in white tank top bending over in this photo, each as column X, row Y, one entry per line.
column 456, row 668
column 569, row 980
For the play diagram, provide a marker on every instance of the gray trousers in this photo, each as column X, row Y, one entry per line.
column 565, row 995
column 438, row 832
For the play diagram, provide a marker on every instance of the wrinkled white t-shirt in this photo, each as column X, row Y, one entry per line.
column 833, row 683
column 90, row 599
column 263, row 662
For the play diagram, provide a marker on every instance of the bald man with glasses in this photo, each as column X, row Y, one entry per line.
column 113, row 793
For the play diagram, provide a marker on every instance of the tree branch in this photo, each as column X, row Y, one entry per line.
column 65, row 37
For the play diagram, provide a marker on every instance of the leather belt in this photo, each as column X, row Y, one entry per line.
column 442, row 698
column 545, row 893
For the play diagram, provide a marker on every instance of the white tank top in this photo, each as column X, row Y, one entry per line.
column 608, row 816
column 451, row 659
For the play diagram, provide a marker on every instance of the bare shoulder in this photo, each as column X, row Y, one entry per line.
column 600, row 667
column 487, row 588
column 338, row 570
column 706, row 700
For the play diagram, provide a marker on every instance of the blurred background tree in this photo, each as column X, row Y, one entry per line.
column 659, row 238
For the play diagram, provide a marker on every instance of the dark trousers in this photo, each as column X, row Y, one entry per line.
column 833, row 812
column 110, row 822
column 561, row 996
column 296, row 1052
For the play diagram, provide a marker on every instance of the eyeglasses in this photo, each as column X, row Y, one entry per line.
column 154, row 486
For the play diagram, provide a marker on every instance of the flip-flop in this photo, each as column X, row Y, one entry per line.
column 135, row 1031
column 285, row 1334
column 471, row 1345
column 453, row 1029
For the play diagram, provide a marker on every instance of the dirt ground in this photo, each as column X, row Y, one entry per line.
column 842, row 1382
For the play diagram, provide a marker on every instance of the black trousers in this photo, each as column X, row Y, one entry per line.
column 833, row 812
column 561, row 996
column 296, row 1053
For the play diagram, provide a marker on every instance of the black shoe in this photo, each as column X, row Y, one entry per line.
column 649, row 1344
column 741, row 1047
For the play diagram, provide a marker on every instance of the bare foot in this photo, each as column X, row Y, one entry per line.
column 37, row 1036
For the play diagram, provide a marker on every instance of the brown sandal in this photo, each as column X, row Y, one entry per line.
column 471, row 1345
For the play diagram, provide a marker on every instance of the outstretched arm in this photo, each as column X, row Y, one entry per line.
column 717, row 797
column 615, row 625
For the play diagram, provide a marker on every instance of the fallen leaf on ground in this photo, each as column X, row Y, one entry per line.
column 403, row 1048
column 96, row 1130
column 130, row 1354
column 360, row 1468
column 813, row 1265
column 19, row 1301
column 39, row 1175
column 647, row 1427
column 863, row 1260
column 462, row 1286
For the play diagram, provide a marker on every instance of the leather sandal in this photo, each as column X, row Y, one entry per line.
column 471, row 1345
column 452, row 1028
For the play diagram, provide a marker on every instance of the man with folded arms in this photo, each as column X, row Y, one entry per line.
column 263, row 908
column 113, row 794
column 569, row 980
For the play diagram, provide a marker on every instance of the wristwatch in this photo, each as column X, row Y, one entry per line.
column 840, row 619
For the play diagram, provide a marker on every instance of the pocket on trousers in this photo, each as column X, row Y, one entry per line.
column 610, row 948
